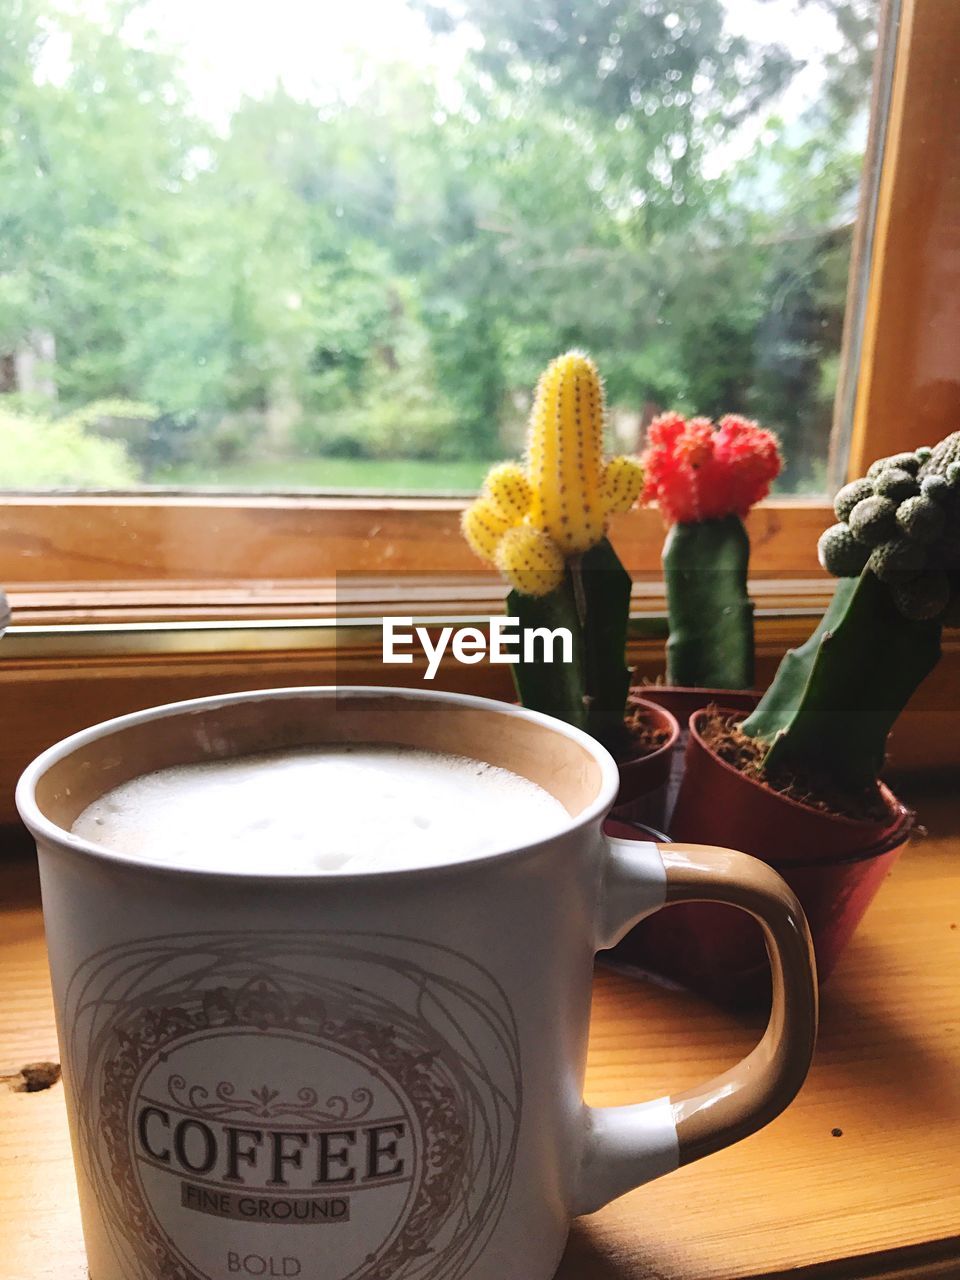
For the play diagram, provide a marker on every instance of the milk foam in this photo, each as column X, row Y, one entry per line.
column 322, row 809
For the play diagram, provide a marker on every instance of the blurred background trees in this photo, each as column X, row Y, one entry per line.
column 361, row 290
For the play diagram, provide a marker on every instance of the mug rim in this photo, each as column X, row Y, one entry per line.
column 45, row 829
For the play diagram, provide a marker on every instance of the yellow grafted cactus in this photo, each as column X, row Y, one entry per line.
column 565, row 495
column 565, row 454
column 508, row 490
column 530, row 560
column 483, row 526
column 622, row 482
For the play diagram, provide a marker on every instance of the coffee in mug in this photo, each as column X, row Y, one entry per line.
column 316, row 809
column 347, row 1056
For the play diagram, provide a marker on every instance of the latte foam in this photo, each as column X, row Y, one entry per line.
column 322, row 809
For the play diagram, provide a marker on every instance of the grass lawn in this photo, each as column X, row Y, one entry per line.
column 410, row 475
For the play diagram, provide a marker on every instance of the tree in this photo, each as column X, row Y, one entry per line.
column 389, row 270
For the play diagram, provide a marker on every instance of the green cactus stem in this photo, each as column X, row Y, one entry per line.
column 593, row 601
column 711, row 616
column 835, row 699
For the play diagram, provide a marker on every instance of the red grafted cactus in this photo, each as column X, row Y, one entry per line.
column 696, row 471
column 705, row 479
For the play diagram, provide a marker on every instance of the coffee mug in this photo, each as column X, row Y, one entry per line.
column 374, row 1075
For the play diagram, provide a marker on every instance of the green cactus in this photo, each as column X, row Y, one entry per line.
column 841, row 553
column 873, row 520
column 593, row 601
column 834, row 700
column 896, row 484
column 711, row 615
column 922, row 519
column 850, row 495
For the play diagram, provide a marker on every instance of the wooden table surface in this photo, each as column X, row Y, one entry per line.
column 859, row 1178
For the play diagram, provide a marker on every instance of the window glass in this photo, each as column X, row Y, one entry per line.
column 282, row 244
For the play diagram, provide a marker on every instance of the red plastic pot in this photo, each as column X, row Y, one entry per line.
column 681, row 703
column 644, row 781
column 835, row 866
column 717, row 804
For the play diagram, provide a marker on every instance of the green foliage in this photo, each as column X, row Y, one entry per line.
column 386, row 275
column 667, row 74
column 396, row 410
column 42, row 453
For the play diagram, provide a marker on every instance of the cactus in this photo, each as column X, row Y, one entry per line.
column 705, row 479
column 566, row 492
column 834, row 701
column 593, row 602
column 530, row 559
column 543, row 525
column 565, row 455
column 711, row 615
column 903, row 520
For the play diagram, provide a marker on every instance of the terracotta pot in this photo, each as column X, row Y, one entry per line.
column 834, row 865
column 644, row 782
column 717, row 804
column 681, row 703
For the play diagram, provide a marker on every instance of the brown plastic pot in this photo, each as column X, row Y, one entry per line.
column 644, row 781
column 834, row 865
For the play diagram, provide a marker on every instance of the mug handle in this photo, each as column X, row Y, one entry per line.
column 625, row 1147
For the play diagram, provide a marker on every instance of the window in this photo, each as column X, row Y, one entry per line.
column 286, row 245
column 131, row 598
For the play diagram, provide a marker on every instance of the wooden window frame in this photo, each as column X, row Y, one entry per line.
column 150, row 558
column 134, row 559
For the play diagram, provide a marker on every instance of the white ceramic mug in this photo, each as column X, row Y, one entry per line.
column 376, row 1075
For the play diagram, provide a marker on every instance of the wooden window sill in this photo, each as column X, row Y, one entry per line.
column 56, row 679
column 351, row 596
column 882, row 1200
column 122, row 602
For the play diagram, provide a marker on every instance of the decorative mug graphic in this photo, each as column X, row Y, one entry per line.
column 345, row 1106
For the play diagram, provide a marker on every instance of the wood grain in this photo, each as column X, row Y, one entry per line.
column 119, row 542
column 880, row 1201
column 363, row 595
column 909, row 391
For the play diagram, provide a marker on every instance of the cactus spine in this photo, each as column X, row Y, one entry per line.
column 711, row 615
column 565, row 492
column 565, row 454
column 543, row 526
column 835, row 699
